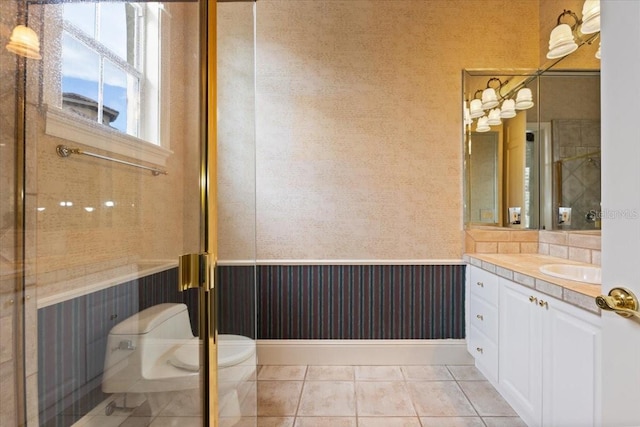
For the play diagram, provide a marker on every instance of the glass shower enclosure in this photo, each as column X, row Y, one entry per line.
column 101, row 160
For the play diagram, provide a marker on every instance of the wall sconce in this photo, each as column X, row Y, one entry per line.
column 563, row 37
column 562, row 41
column 24, row 42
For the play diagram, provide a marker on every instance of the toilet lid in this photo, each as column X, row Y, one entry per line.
column 232, row 350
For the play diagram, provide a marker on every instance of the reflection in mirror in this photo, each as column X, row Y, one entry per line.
column 541, row 167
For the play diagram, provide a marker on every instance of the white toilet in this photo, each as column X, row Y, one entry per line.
column 155, row 351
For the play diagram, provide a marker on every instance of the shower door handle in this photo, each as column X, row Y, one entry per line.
column 196, row 271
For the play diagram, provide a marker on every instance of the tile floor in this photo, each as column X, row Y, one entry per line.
column 334, row 396
column 376, row 396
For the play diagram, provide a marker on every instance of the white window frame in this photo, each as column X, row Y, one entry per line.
column 154, row 117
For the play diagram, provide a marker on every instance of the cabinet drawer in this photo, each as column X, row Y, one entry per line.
column 484, row 285
column 485, row 353
column 484, row 317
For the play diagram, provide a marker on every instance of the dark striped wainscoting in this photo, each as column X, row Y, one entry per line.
column 237, row 300
column 360, row 301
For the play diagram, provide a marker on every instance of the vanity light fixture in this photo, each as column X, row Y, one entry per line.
column 564, row 38
column 24, row 42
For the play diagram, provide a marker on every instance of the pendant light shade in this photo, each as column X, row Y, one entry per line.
column 590, row 17
column 489, row 99
column 561, row 42
column 494, row 117
column 475, row 109
column 508, row 109
column 24, row 42
column 467, row 115
column 483, row 124
column 524, row 99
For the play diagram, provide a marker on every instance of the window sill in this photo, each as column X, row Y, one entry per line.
column 76, row 129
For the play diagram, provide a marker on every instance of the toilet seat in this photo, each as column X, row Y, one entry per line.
column 232, row 350
column 187, row 356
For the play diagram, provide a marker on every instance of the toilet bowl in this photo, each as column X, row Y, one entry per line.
column 155, row 351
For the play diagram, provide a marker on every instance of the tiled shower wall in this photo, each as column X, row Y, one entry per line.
column 580, row 176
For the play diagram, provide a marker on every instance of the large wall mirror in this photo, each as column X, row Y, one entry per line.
column 536, row 164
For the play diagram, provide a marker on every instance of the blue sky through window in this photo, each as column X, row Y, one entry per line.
column 81, row 64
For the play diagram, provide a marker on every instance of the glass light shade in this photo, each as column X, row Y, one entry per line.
column 508, row 109
column 467, row 115
column 476, row 109
column 494, row 117
column 489, row 99
column 483, row 124
column 590, row 17
column 561, row 42
column 524, row 99
column 24, row 42
column 598, row 52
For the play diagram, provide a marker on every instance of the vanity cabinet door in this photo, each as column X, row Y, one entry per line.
column 548, row 358
column 520, row 351
column 571, row 366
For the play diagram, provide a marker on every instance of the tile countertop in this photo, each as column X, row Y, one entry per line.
column 524, row 269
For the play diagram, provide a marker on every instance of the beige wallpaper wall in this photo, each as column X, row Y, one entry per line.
column 359, row 141
column 236, row 132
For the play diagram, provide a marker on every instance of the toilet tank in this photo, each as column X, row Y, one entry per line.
column 138, row 342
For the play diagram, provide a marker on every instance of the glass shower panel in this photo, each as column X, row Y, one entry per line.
column 236, row 214
column 110, row 339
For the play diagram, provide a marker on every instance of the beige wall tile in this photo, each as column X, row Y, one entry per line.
column 487, row 247
column 596, row 257
column 508, row 247
column 559, row 251
column 585, row 241
column 580, row 254
column 524, row 236
column 555, row 237
column 529, row 247
column 490, row 236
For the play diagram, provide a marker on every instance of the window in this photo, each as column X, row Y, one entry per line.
column 102, row 70
column 109, row 58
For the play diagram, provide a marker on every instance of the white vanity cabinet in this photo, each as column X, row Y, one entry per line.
column 547, row 366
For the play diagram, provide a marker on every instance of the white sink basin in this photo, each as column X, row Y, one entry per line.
column 580, row 273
